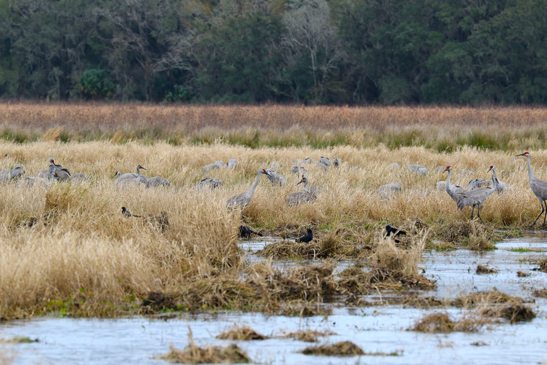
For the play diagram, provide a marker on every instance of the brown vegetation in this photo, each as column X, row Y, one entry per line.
column 244, row 333
column 447, row 129
column 209, row 355
column 309, row 335
column 441, row 323
column 481, row 269
column 345, row 348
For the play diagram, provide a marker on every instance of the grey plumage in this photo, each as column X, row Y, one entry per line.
column 131, row 178
column 306, row 196
column 453, row 190
column 209, row 183
column 316, row 190
column 298, row 170
column 53, row 168
column 476, row 197
column 539, row 188
column 232, row 163
column 240, row 201
column 276, row 178
column 157, row 181
column 385, row 191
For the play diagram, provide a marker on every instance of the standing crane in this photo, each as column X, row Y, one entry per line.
column 476, row 197
column 453, row 190
column 240, row 201
column 539, row 187
column 301, row 196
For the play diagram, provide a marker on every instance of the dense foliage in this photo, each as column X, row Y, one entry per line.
column 256, row 51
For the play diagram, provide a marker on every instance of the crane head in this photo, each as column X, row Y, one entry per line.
column 303, row 180
column 448, row 168
column 491, row 168
column 140, row 167
column 525, row 154
column 51, row 160
column 265, row 172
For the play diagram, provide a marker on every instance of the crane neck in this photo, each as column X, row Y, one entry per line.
column 531, row 174
column 138, row 171
column 252, row 189
column 448, row 180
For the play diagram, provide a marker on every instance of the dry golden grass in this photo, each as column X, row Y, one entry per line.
column 444, row 128
column 83, row 257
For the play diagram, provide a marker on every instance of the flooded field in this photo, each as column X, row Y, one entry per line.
column 381, row 330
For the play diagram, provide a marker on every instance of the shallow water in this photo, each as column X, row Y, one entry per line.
column 374, row 329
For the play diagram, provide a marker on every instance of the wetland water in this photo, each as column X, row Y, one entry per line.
column 375, row 329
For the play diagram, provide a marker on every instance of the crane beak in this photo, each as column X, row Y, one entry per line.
column 300, row 182
column 488, row 170
column 445, row 170
column 522, row 154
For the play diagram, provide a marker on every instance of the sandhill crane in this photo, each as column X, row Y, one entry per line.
column 131, row 179
column 276, row 178
column 125, row 176
column 419, row 169
column 157, row 181
column 128, row 214
column 453, row 190
column 476, row 198
column 307, row 238
column 13, row 174
column 312, row 188
column 301, row 196
column 298, row 170
column 140, row 178
column 325, row 161
column 501, row 186
column 232, row 163
column 336, row 162
column 386, row 190
column 214, row 166
column 57, row 168
column 539, row 187
column 208, row 183
column 479, row 183
column 240, row 201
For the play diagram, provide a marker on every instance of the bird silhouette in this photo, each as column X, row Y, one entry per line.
column 128, row 214
column 395, row 232
column 307, row 238
column 246, row 232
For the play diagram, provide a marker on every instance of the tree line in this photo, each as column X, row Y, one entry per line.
column 283, row 51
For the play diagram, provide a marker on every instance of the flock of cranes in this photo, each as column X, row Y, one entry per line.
column 474, row 195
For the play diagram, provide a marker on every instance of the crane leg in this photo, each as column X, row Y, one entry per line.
column 243, row 217
column 545, row 215
column 479, row 213
column 542, row 210
column 472, row 211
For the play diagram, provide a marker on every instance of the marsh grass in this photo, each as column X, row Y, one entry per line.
column 68, row 249
column 440, row 322
column 344, row 348
column 243, row 333
column 443, row 129
column 194, row 354
column 309, row 335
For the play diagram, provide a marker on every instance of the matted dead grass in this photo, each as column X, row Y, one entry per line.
column 194, row 354
column 344, row 348
column 244, row 333
column 68, row 248
column 309, row 335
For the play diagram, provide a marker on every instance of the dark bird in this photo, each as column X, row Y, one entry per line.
column 246, row 232
column 128, row 214
column 396, row 232
column 307, row 238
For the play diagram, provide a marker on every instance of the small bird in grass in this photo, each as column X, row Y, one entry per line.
column 397, row 232
column 307, row 238
column 127, row 213
column 246, row 232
